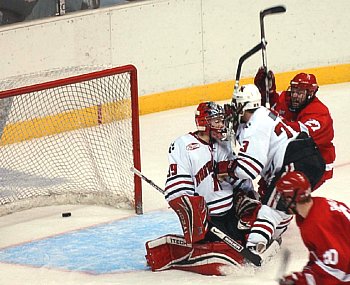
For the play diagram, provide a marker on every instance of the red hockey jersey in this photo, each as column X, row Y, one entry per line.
column 326, row 232
column 316, row 118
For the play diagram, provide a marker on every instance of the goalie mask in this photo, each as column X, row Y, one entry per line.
column 291, row 188
column 303, row 88
column 248, row 97
column 210, row 120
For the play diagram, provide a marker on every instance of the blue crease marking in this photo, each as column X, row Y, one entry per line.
column 118, row 246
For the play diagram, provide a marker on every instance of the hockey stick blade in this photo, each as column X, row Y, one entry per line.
column 273, row 10
column 263, row 13
column 245, row 56
column 246, row 253
column 242, row 59
column 268, row 11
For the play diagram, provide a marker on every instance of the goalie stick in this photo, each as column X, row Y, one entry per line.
column 246, row 253
column 263, row 13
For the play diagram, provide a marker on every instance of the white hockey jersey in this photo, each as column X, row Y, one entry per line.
column 191, row 172
column 263, row 140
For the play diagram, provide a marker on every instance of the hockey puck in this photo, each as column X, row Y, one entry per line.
column 67, row 214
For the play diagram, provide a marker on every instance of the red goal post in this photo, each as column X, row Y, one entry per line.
column 71, row 141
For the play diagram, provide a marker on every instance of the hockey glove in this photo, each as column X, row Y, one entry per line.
column 246, row 210
column 259, row 82
column 228, row 111
column 262, row 188
column 227, row 166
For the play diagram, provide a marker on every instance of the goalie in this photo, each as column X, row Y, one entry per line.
column 195, row 193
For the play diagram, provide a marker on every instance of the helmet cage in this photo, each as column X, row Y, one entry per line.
column 248, row 97
column 238, row 111
column 302, row 81
column 205, row 114
column 286, row 203
column 291, row 188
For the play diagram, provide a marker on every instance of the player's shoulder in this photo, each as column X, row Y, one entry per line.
column 187, row 140
column 283, row 97
column 261, row 119
column 319, row 200
column 320, row 204
column 316, row 106
column 314, row 217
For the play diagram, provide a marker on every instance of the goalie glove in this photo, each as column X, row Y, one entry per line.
column 246, row 210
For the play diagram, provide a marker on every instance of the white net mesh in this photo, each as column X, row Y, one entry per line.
column 68, row 144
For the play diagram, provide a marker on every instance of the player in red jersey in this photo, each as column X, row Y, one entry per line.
column 303, row 111
column 324, row 227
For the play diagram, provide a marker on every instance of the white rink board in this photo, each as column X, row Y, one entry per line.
column 181, row 43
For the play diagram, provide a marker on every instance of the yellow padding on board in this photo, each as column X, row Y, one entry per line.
column 223, row 90
column 67, row 121
column 92, row 116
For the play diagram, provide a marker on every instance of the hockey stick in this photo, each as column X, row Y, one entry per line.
column 246, row 253
column 242, row 59
column 263, row 13
column 249, row 53
column 284, row 264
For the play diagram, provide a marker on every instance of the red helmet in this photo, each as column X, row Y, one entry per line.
column 294, row 184
column 303, row 82
column 291, row 188
column 204, row 113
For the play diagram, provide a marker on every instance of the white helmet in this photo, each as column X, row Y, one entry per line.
column 248, row 97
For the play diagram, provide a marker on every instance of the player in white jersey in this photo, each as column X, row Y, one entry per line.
column 192, row 159
column 268, row 148
column 196, row 194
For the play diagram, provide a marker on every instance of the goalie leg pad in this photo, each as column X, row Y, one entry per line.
column 193, row 215
column 167, row 250
column 171, row 252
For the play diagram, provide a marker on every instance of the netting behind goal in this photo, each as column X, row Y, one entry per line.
column 71, row 141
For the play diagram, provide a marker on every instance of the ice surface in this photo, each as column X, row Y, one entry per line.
column 31, row 234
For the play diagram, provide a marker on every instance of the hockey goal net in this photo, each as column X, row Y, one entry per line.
column 71, row 141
